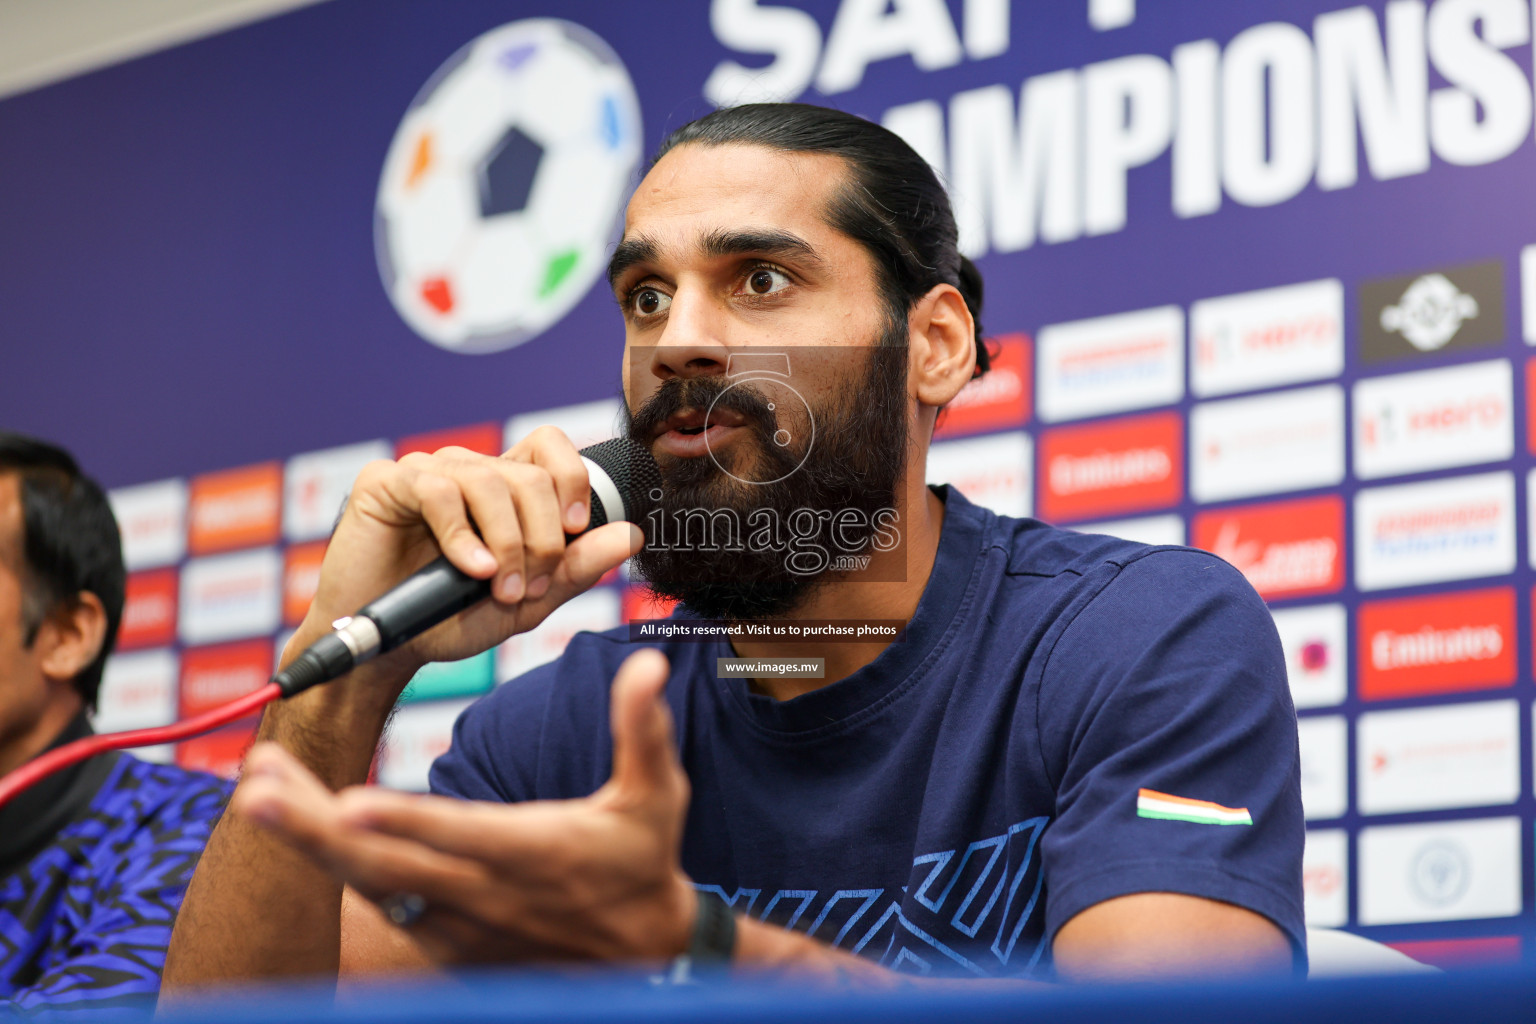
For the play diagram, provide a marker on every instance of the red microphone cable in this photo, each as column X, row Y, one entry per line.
column 40, row 768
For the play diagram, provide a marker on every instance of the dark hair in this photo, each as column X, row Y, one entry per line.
column 892, row 203
column 70, row 543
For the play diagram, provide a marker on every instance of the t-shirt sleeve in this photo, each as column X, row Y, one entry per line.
column 1166, row 726
column 496, row 743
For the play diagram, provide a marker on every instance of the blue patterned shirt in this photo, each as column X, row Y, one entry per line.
column 93, row 865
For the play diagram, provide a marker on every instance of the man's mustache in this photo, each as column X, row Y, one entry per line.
column 702, row 393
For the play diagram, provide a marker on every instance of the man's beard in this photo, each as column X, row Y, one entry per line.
column 855, row 461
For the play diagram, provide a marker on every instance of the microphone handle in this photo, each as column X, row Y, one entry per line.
column 439, row 591
column 435, row 592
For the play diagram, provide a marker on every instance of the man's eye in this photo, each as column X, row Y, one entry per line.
column 766, row 281
column 649, row 301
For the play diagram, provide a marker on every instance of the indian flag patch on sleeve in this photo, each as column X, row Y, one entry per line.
column 1152, row 804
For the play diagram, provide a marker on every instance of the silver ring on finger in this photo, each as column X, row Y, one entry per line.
column 404, row 908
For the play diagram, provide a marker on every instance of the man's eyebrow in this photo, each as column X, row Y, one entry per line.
column 782, row 244
column 761, row 242
column 630, row 252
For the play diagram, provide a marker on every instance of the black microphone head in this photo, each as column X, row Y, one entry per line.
column 633, row 472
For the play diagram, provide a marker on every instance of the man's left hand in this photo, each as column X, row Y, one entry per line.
column 592, row 879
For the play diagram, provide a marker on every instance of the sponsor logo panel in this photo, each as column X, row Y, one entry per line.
column 1315, row 639
column 1290, row 441
column 1424, row 759
column 1446, row 871
column 316, row 485
column 1528, row 293
column 1439, row 311
column 1284, row 548
column 149, row 610
column 594, row 611
column 1455, row 954
column 219, row 752
column 484, row 438
column 1119, row 466
column 585, row 424
column 1433, row 419
column 236, row 508
column 1530, row 405
column 1452, row 529
column 1000, row 399
column 152, row 519
column 228, row 596
column 467, row 677
column 138, row 691
column 211, row 676
column 418, row 735
column 301, row 577
column 1111, row 364
column 1154, row 530
column 1266, row 338
column 1530, row 517
column 992, row 471
column 1444, row 643
column 1325, row 878
column 1324, row 766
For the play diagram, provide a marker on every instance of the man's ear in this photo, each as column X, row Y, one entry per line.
column 70, row 637
column 942, row 334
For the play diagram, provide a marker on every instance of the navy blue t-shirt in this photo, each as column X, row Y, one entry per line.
column 1070, row 718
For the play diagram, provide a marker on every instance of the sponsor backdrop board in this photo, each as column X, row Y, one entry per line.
column 1261, row 277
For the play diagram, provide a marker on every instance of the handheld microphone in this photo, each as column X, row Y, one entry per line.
column 623, row 477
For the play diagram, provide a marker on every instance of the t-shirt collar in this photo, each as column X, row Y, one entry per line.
column 842, row 704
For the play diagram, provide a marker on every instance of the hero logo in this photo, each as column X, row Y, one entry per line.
column 1118, row 466
column 153, row 521
column 316, row 485
column 993, row 471
column 1433, row 419
column 1285, row 549
column 1460, row 528
column 1444, row 643
column 1264, row 338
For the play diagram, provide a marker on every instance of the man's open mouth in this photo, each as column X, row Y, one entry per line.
column 691, row 433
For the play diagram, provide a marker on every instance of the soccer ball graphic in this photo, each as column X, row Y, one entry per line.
column 503, row 185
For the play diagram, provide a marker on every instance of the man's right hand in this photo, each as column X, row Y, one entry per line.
column 257, row 908
column 523, row 503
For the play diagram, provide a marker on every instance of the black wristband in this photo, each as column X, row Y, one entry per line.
column 714, row 933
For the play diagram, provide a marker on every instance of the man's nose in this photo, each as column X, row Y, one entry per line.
column 692, row 345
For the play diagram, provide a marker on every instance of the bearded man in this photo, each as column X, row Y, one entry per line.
column 1079, row 759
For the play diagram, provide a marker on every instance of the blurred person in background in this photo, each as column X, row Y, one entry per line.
column 94, row 859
